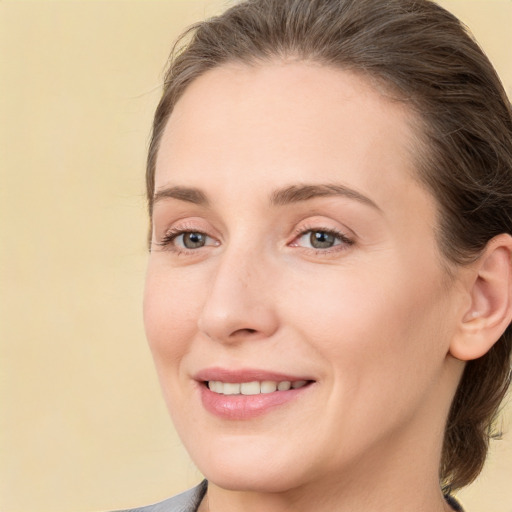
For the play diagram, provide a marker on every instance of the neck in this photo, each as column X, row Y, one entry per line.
column 220, row 500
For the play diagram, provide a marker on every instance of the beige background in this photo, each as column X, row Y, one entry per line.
column 82, row 424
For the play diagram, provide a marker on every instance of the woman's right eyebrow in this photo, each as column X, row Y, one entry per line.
column 187, row 194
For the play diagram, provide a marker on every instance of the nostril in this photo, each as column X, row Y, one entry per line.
column 244, row 331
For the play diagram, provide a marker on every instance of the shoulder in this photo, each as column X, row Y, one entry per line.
column 187, row 501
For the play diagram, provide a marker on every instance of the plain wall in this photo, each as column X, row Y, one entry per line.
column 82, row 423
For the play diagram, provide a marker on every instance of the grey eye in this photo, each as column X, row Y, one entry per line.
column 322, row 239
column 193, row 240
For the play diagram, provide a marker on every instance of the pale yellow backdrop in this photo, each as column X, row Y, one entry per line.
column 82, row 424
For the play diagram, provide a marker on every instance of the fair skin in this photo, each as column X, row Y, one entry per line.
column 292, row 242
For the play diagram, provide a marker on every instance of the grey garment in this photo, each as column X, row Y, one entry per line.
column 187, row 501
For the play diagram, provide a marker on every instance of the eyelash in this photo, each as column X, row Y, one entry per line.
column 345, row 241
column 167, row 241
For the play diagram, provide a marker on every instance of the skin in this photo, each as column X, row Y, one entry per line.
column 370, row 320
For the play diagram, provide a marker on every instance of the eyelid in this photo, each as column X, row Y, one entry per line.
column 322, row 223
column 346, row 240
column 181, row 227
column 168, row 243
column 166, row 240
column 172, row 234
column 338, row 234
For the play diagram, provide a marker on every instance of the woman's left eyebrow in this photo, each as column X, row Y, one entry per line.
column 297, row 193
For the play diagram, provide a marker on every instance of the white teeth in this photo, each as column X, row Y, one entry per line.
column 284, row 386
column 267, row 386
column 231, row 388
column 216, row 386
column 250, row 388
column 253, row 388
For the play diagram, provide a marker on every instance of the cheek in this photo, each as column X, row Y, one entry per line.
column 170, row 315
column 384, row 344
column 384, row 321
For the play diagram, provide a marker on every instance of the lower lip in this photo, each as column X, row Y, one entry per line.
column 244, row 407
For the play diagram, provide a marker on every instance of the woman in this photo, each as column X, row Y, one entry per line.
column 328, row 295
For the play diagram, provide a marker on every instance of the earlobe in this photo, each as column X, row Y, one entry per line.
column 490, row 310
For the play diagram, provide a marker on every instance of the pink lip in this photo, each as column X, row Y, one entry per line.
column 245, row 407
column 244, row 375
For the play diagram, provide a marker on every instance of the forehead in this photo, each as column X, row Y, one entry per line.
column 287, row 119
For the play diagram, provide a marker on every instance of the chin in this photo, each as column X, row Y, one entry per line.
column 261, row 479
column 250, row 468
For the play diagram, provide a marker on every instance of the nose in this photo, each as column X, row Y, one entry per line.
column 239, row 304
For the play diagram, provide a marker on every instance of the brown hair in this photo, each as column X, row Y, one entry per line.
column 425, row 57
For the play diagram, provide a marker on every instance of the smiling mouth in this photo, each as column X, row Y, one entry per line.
column 253, row 388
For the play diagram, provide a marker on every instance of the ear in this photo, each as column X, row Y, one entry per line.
column 490, row 310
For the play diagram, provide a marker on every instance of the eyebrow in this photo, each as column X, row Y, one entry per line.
column 189, row 195
column 298, row 193
column 282, row 197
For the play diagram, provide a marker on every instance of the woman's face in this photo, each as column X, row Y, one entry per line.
column 293, row 248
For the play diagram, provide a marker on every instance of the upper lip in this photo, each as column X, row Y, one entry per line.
column 245, row 375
